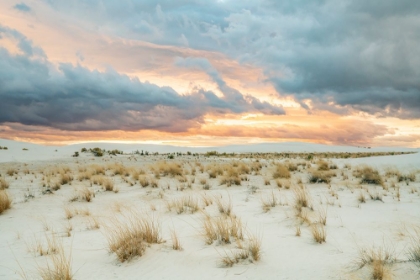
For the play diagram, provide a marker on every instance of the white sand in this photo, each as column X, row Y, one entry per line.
column 350, row 225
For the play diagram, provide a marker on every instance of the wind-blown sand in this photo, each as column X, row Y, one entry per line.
column 351, row 226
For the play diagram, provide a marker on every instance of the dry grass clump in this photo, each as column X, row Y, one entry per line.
column 361, row 198
column 379, row 259
column 320, row 177
column 322, row 216
column 184, row 204
column 323, row 165
column 129, row 234
column 250, row 252
column 215, row 170
column 368, row 175
column 58, row 267
column 176, row 244
column 407, row 177
column 318, row 233
column 224, row 207
column 12, row 171
column 281, row 171
column 414, row 247
column 224, row 229
column 65, row 178
column 69, row 212
column 269, row 202
column 85, row 194
column 302, row 197
column 3, row 184
column 144, row 181
column 164, row 168
column 108, row 184
column 231, row 178
column 5, row 201
column 93, row 223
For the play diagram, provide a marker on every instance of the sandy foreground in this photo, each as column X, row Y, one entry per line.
column 50, row 215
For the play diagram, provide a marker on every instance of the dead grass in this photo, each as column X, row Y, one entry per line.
column 58, row 267
column 323, row 165
column 281, row 171
column 184, row 204
column 5, row 201
column 65, row 178
column 85, row 194
column 301, row 197
column 176, row 243
column 108, row 184
column 129, row 234
column 269, row 202
column 414, row 247
column 69, row 212
column 368, row 256
column 222, row 229
column 3, row 184
column 319, row 233
column 320, row 177
column 368, row 175
column 322, row 215
column 224, row 207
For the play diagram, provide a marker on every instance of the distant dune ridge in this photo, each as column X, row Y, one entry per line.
column 43, row 152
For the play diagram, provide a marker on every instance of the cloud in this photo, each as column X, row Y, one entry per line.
column 71, row 97
column 343, row 56
column 22, row 7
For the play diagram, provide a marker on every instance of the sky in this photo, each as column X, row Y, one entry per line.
column 210, row 73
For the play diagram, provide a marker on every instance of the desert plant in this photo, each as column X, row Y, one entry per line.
column 318, row 233
column 222, row 229
column 5, row 201
column 414, row 247
column 85, row 194
column 3, row 184
column 108, row 184
column 128, row 235
column 301, row 197
column 176, row 244
column 281, row 171
column 368, row 256
column 320, row 177
column 269, row 202
column 224, row 207
column 368, row 175
column 59, row 267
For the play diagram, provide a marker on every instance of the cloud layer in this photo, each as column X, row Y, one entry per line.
column 351, row 54
column 35, row 92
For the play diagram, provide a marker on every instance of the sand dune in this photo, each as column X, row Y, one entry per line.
column 61, row 205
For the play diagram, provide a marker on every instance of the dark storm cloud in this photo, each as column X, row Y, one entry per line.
column 34, row 92
column 22, row 7
column 352, row 54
